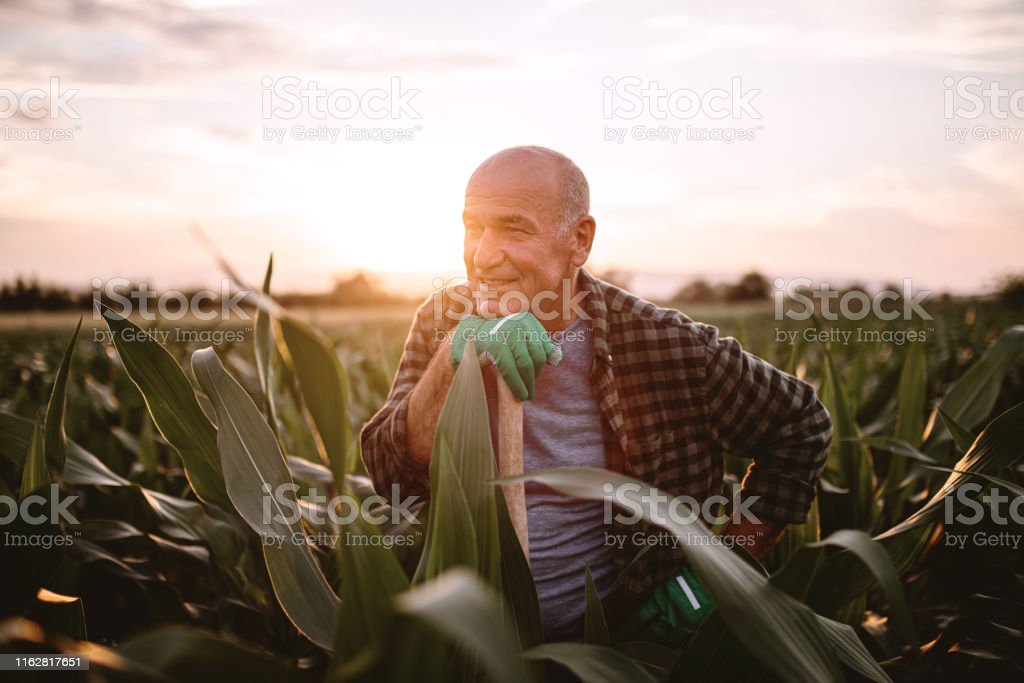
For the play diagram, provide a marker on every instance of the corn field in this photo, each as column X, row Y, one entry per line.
column 172, row 573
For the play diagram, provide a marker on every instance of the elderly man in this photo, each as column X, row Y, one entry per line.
column 640, row 389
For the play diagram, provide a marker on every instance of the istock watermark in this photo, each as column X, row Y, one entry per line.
column 678, row 509
column 970, row 98
column 28, row 509
column 997, row 503
column 121, row 298
column 282, row 506
column 37, row 510
column 665, row 539
column 632, row 98
column 348, row 538
column 1002, row 510
column 456, row 298
column 290, row 98
column 130, row 299
column 795, row 299
column 39, row 105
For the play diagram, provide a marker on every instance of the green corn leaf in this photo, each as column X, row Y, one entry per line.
column 518, row 588
column 972, row 397
column 180, row 654
column 962, row 436
column 81, row 466
column 265, row 352
column 85, row 469
column 852, row 653
column 147, row 446
column 910, row 419
column 1000, row 445
column 910, row 425
column 595, row 628
column 173, row 405
column 796, row 537
column 874, row 557
column 462, row 472
column 36, row 473
column 896, row 447
column 855, row 385
column 55, row 440
column 310, row 472
column 850, row 460
column 370, row 577
column 324, row 387
column 592, row 663
column 451, row 537
column 253, row 464
column 465, row 609
column 998, row 481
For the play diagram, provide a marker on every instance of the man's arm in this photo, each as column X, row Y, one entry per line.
column 397, row 441
column 756, row 410
column 426, row 401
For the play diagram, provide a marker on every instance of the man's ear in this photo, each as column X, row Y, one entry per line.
column 581, row 240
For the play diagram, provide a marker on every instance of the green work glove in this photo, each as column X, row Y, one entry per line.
column 518, row 344
column 671, row 613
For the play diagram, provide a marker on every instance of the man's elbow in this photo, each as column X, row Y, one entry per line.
column 387, row 461
column 370, row 454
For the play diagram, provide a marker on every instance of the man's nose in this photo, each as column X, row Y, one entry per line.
column 489, row 252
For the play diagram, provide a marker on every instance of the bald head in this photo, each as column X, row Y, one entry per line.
column 557, row 184
column 528, row 231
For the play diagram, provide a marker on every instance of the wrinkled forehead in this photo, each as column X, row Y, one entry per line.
column 523, row 181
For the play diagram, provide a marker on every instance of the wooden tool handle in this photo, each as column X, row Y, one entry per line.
column 510, row 461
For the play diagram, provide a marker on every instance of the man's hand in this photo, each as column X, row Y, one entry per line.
column 674, row 609
column 518, row 344
column 764, row 534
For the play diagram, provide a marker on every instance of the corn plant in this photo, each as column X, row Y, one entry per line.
column 180, row 525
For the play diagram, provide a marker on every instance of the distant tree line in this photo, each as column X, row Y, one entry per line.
column 1010, row 290
column 358, row 290
column 29, row 294
column 752, row 286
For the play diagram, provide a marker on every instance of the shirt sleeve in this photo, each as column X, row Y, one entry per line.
column 383, row 442
column 755, row 410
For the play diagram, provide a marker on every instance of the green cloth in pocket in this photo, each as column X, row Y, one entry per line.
column 670, row 614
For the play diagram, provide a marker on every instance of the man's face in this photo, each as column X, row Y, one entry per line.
column 511, row 242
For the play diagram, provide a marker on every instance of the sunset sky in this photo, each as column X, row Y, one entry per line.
column 849, row 174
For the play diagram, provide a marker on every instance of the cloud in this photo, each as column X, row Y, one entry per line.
column 143, row 43
column 187, row 25
column 949, row 35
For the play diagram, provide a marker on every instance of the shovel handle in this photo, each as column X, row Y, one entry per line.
column 510, row 461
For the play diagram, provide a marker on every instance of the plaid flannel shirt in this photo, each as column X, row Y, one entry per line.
column 674, row 398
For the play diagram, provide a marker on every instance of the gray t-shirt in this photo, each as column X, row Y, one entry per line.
column 562, row 428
